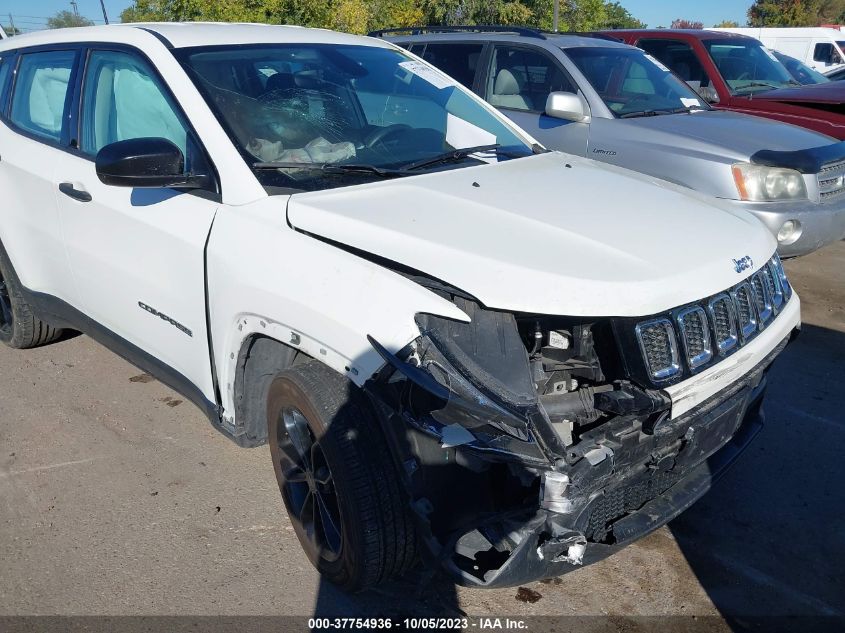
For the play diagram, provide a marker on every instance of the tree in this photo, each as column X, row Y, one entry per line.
column 9, row 30
column 618, row 17
column 686, row 24
column 783, row 13
column 831, row 12
column 67, row 19
column 360, row 16
column 350, row 16
column 726, row 24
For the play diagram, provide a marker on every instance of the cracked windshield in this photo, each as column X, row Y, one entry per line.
column 310, row 117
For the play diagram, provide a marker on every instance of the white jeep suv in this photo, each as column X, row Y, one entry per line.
column 507, row 361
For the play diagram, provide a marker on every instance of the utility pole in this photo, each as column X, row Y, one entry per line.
column 556, row 16
column 105, row 15
column 12, row 25
column 75, row 8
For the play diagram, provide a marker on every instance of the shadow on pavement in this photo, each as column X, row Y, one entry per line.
column 414, row 595
column 768, row 540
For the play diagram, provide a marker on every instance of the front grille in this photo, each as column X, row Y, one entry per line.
column 831, row 180
column 714, row 327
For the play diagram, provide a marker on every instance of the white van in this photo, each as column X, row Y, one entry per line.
column 821, row 48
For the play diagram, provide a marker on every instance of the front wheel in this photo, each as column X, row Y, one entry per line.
column 337, row 479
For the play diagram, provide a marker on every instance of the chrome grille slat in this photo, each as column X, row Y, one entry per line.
column 695, row 334
column 746, row 311
column 831, row 180
column 723, row 317
column 762, row 300
column 772, row 287
column 660, row 348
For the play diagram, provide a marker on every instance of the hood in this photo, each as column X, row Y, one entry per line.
column 719, row 133
column 533, row 235
column 832, row 92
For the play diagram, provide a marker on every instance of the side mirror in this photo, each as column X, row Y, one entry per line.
column 567, row 106
column 708, row 93
column 146, row 163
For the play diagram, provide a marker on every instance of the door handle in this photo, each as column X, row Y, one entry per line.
column 68, row 189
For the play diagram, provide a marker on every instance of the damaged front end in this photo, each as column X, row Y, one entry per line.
column 531, row 447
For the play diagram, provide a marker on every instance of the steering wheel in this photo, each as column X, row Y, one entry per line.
column 379, row 135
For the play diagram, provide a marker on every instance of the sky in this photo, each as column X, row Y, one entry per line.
column 32, row 14
column 661, row 13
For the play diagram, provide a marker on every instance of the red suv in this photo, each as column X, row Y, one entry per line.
column 735, row 72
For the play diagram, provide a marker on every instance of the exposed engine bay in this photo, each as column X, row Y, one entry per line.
column 525, row 443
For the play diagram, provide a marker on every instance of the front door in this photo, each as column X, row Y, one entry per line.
column 138, row 255
column 519, row 81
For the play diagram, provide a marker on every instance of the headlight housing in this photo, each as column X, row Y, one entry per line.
column 759, row 183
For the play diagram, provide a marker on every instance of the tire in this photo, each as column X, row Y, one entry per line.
column 362, row 533
column 20, row 328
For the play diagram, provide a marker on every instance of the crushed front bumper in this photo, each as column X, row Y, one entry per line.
column 627, row 504
column 535, row 558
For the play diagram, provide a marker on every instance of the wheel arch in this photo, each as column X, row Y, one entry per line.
column 259, row 359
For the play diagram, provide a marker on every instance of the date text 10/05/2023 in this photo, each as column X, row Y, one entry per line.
column 435, row 624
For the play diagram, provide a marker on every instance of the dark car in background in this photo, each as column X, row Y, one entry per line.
column 736, row 72
column 800, row 72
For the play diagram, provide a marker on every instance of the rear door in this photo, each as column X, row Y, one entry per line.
column 35, row 96
column 138, row 255
column 518, row 80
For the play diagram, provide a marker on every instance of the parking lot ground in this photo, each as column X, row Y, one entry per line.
column 117, row 497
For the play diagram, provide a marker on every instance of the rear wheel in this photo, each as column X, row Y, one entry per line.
column 19, row 327
column 337, row 478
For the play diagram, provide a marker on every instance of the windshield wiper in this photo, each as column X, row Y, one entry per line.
column 333, row 168
column 450, row 156
column 685, row 109
column 759, row 84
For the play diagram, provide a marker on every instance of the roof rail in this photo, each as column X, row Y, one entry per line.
column 480, row 28
column 594, row 34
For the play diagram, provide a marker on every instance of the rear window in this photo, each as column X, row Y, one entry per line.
column 459, row 61
column 41, row 89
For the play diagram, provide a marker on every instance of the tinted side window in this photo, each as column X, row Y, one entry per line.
column 5, row 71
column 123, row 99
column 825, row 53
column 41, row 89
column 459, row 61
column 522, row 80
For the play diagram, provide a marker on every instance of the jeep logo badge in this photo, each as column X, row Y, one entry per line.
column 743, row 264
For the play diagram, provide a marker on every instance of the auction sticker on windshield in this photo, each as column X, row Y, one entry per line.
column 427, row 74
column 657, row 63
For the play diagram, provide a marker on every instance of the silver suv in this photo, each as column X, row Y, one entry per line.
column 596, row 97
